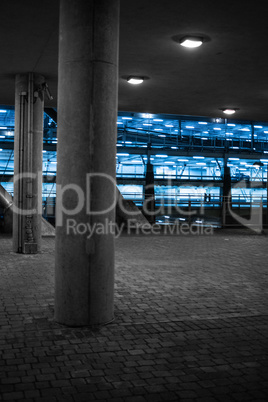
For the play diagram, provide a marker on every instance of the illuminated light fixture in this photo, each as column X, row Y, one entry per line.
column 161, row 135
column 119, row 154
column 126, row 118
column 147, row 115
column 191, row 41
column 189, row 126
column 258, row 127
column 2, row 111
column 169, row 125
column 158, row 120
column 229, row 110
column 217, row 128
column 174, row 147
column 161, row 156
column 120, row 122
column 198, row 157
column 44, row 151
column 128, row 142
column 135, row 80
column 183, row 160
column 3, row 128
column 201, row 163
column 2, row 136
column 132, row 162
column 230, row 124
column 202, row 122
column 234, row 159
column 1, row 149
column 158, row 129
column 147, row 124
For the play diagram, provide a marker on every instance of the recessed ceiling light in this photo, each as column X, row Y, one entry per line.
column 135, row 80
column 229, row 110
column 191, row 41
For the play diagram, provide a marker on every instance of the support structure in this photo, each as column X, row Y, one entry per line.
column 226, row 192
column 149, row 194
column 28, row 146
column 87, row 130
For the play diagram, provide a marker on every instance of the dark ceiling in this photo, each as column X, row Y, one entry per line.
column 229, row 70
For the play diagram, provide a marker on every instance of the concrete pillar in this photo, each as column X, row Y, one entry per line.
column 87, row 131
column 27, row 208
column 149, row 194
column 252, row 136
column 226, row 193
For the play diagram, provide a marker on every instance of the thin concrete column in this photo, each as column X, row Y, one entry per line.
column 27, row 207
column 87, row 130
column 149, row 194
column 226, row 192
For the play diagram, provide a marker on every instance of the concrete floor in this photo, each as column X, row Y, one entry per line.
column 190, row 324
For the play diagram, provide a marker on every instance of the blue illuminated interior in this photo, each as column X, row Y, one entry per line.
column 186, row 150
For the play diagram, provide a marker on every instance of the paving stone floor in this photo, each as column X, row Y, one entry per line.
column 190, row 324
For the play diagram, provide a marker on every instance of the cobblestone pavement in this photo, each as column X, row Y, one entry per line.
column 190, row 324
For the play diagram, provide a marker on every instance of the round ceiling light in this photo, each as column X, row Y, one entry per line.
column 135, row 80
column 229, row 110
column 191, row 41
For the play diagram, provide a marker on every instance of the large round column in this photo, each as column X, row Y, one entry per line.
column 87, row 115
